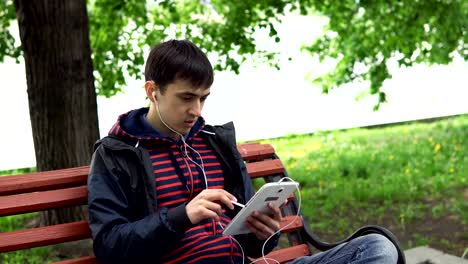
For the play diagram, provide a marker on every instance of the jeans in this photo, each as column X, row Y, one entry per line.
column 365, row 249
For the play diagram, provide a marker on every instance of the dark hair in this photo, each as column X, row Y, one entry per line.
column 178, row 59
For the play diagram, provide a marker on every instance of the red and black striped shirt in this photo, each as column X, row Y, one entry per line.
column 178, row 179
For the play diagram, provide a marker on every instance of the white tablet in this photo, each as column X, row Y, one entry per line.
column 273, row 192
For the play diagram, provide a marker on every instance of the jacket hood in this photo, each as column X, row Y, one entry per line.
column 134, row 127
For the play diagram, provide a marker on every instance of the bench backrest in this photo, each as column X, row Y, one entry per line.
column 41, row 191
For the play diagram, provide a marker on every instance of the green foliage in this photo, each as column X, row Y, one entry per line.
column 7, row 42
column 17, row 171
column 363, row 36
column 121, row 30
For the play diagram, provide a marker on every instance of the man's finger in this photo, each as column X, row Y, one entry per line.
column 284, row 203
column 216, row 194
column 265, row 220
column 215, row 207
column 259, row 227
column 220, row 192
column 210, row 214
column 276, row 211
column 223, row 197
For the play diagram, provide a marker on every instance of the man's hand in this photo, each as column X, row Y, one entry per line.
column 207, row 204
column 263, row 225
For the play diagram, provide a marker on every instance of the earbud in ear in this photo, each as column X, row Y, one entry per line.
column 154, row 96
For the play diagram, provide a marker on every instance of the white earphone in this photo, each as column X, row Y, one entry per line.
column 154, row 96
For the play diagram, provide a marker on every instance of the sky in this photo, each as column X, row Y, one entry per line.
column 263, row 102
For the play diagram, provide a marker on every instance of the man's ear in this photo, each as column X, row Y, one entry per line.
column 150, row 88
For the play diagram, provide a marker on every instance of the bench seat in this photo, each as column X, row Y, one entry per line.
column 35, row 192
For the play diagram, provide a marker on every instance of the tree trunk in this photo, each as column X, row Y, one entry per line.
column 61, row 93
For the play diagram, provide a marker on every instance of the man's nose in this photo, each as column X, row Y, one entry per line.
column 196, row 108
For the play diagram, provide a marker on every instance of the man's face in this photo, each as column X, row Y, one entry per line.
column 180, row 106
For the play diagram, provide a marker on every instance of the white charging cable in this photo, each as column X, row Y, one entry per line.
column 284, row 227
column 279, row 230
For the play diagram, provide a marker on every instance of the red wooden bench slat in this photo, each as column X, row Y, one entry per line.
column 49, row 180
column 252, row 151
column 250, row 143
column 43, row 236
column 282, row 255
column 264, row 168
column 43, row 181
column 82, row 260
column 295, row 225
column 39, row 201
column 285, row 255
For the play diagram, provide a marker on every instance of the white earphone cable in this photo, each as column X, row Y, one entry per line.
column 202, row 167
column 264, row 258
column 284, row 227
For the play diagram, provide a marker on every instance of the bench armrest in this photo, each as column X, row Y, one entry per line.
column 315, row 241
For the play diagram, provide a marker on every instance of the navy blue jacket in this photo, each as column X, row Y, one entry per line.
column 122, row 200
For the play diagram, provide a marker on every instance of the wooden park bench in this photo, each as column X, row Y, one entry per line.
column 41, row 191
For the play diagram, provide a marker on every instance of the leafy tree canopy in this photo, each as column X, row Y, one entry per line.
column 362, row 35
column 371, row 32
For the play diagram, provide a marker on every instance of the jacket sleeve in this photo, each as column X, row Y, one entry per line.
column 116, row 238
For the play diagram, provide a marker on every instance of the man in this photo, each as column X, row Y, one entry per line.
column 162, row 183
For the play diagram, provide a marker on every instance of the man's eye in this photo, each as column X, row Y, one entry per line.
column 203, row 99
column 186, row 98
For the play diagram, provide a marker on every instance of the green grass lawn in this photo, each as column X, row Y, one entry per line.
column 409, row 178
column 397, row 176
